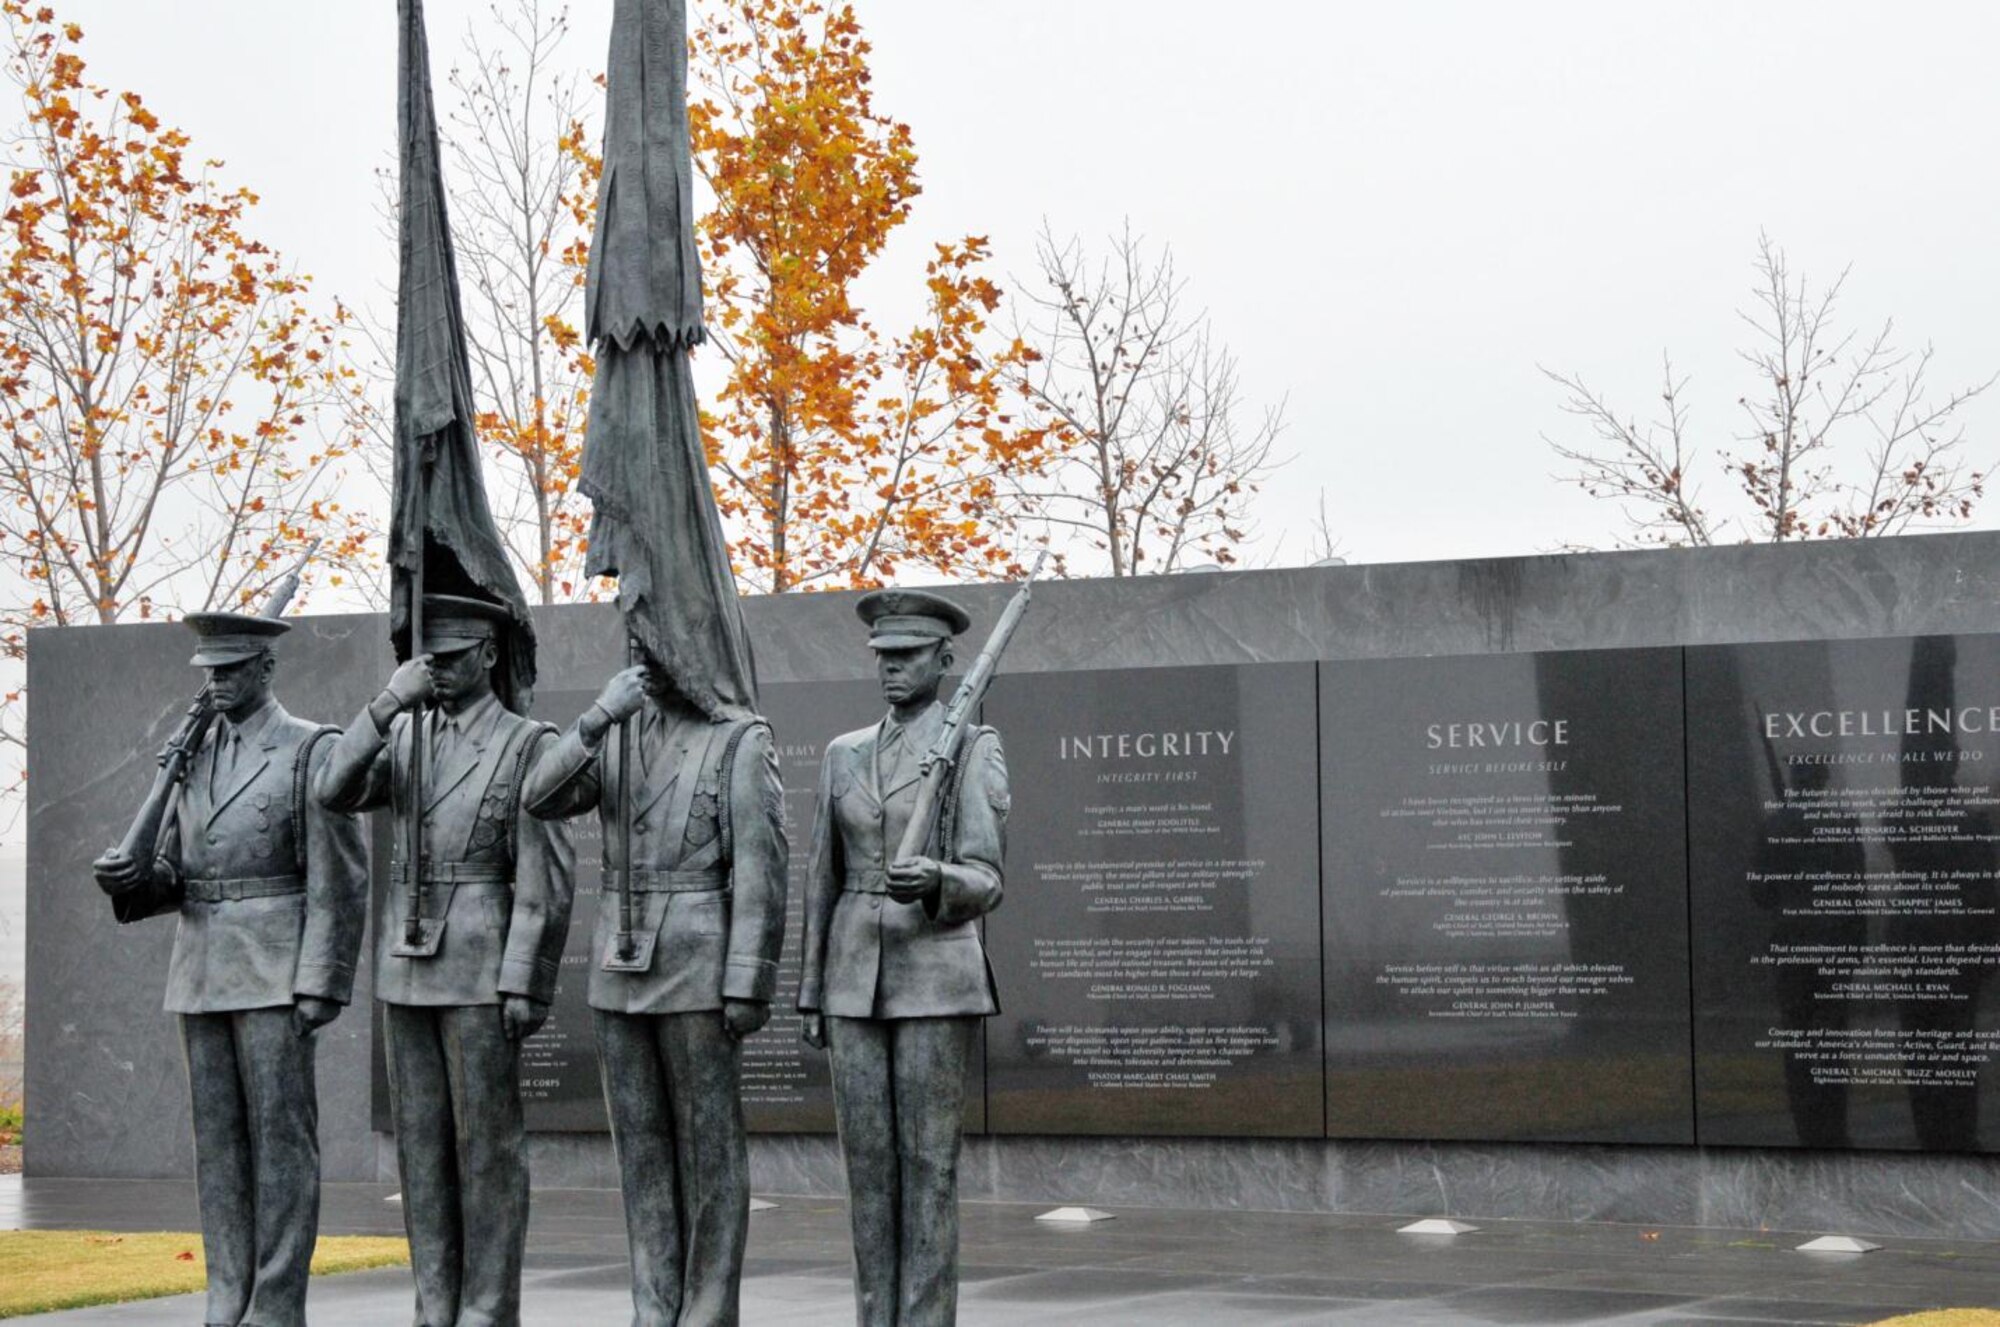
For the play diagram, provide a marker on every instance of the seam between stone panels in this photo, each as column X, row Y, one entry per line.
column 1687, row 901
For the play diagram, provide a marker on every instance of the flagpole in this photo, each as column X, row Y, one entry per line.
column 627, row 949
column 413, row 922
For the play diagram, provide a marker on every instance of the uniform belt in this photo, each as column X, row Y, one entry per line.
column 866, row 882
column 242, row 887
column 456, row 873
column 646, row 880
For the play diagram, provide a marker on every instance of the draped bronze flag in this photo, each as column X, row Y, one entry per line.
column 654, row 524
column 442, row 530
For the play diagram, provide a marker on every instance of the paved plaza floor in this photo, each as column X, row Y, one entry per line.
column 1146, row 1267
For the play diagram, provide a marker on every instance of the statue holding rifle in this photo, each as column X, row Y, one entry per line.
column 908, row 837
column 271, row 890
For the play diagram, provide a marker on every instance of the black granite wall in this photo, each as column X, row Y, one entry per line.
column 105, row 1089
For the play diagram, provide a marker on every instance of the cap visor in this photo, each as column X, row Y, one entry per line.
column 451, row 644
column 902, row 641
column 218, row 658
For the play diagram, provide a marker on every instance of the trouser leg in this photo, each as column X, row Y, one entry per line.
column 485, row 1073
column 222, row 1173
column 712, row 1161
column 277, row 1068
column 420, row 1103
column 642, row 1135
column 864, row 1105
column 929, row 1060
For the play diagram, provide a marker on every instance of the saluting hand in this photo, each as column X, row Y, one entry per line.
column 411, row 684
column 624, row 694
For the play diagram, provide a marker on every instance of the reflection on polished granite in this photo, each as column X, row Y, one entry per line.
column 1146, row 1267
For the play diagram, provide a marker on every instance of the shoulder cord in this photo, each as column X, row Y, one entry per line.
column 537, row 733
column 954, row 795
column 301, row 778
column 727, row 775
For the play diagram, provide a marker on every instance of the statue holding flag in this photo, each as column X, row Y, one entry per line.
column 469, row 946
column 684, row 961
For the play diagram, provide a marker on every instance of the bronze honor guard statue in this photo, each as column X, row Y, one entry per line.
column 683, row 966
column 271, row 890
column 692, row 913
column 906, row 857
column 467, row 949
column 493, row 900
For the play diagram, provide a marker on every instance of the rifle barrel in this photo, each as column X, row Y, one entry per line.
column 939, row 759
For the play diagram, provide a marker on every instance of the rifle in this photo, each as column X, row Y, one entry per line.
column 143, row 838
column 944, row 753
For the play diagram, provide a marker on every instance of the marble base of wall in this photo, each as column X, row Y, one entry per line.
column 1866, row 1193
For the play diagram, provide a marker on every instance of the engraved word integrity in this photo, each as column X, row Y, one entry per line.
column 1145, row 746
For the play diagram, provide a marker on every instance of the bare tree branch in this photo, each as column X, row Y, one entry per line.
column 1842, row 439
column 1152, row 468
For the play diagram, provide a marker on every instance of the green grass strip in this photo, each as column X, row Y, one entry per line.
column 45, row 1270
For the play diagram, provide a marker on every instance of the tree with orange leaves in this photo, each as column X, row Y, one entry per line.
column 162, row 374
column 841, row 457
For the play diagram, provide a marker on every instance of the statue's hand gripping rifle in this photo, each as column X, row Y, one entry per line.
column 936, row 770
column 143, row 839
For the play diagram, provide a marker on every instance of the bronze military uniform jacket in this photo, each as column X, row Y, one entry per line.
column 502, row 881
column 866, row 955
column 256, row 930
column 711, row 859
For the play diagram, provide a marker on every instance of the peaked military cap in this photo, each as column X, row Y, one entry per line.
column 228, row 638
column 452, row 623
column 901, row 619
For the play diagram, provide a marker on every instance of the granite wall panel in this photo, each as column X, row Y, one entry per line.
column 103, row 1069
column 1506, row 898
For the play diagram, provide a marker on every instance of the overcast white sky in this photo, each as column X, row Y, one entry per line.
column 1393, row 212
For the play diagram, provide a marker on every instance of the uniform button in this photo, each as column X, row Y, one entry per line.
column 874, row 900
column 639, row 829
column 214, row 840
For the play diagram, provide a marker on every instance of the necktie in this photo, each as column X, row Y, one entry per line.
column 224, row 766
column 647, row 737
column 445, row 742
column 899, row 757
